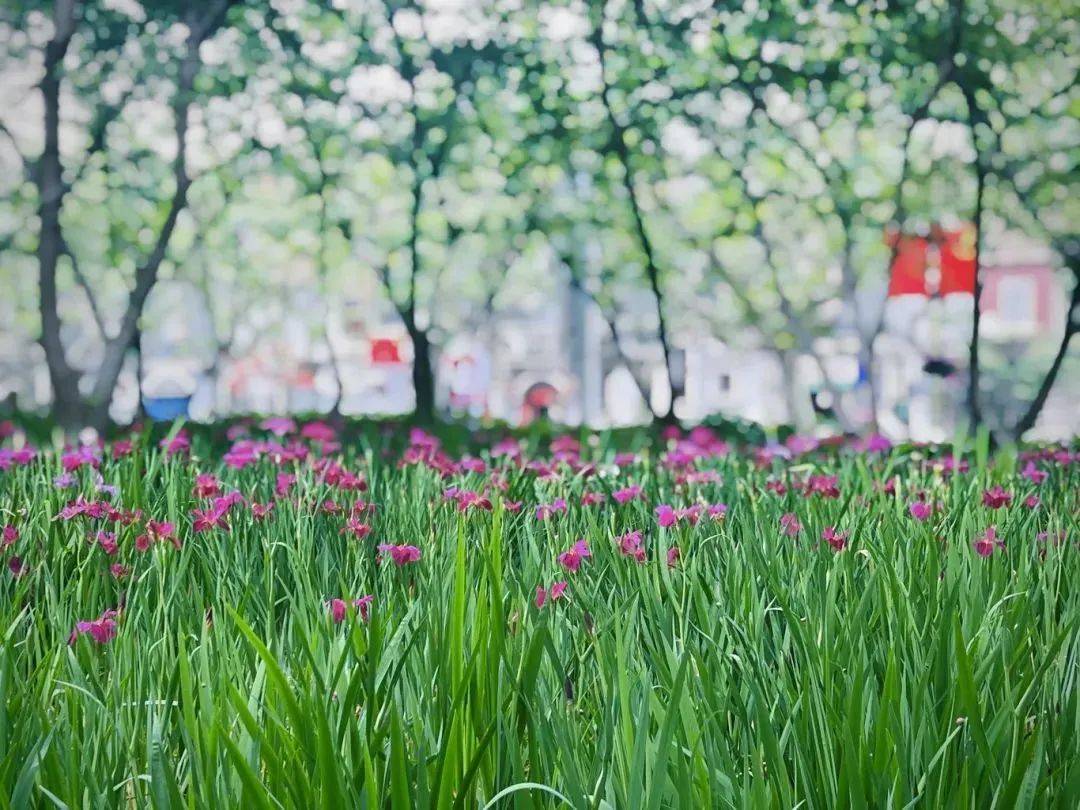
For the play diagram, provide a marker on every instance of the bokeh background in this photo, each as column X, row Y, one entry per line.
column 598, row 212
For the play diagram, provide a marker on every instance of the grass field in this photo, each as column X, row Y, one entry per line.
column 856, row 626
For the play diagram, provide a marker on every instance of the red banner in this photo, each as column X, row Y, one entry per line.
column 384, row 351
column 908, row 273
column 958, row 261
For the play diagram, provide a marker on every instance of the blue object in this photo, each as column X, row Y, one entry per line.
column 166, row 409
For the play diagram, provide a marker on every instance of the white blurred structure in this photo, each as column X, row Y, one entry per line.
column 281, row 359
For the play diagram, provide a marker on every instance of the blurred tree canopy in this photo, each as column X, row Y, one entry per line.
column 735, row 165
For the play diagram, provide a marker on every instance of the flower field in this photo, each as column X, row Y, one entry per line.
column 292, row 615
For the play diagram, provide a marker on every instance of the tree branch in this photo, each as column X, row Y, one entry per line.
column 84, row 283
column 652, row 272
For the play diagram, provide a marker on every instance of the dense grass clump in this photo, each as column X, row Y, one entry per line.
column 301, row 618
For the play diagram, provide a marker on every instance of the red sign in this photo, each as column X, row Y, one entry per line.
column 384, row 351
column 958, row 261
column 908, row 273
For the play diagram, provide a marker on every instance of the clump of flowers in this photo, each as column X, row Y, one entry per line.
column 631, row 545
column 547, row 510
column 920, row 510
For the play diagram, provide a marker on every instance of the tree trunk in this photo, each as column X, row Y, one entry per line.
column 335, row 368
column 796, row 409
column 652, row 272
column 140, row 411
column 866, row 360
column 423, row 375
column 611, row 321
column 850, row 285
column 69, row 407
column 974, row 411
column 324, row 271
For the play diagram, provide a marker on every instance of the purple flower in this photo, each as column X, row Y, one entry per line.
column 101, row 629
column 987, row 542
column 572, row 558
column 789, row 524
column 666, row 516
column 400, row 554
column 920, row 510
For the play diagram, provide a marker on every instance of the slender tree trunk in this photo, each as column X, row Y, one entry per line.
column 974, row 411
column 335, row 366
column 611, row 321
column 117, row 348
column 792, row 391
column 652, row 272
column 423, row 374
column 67, row 404
column 140, row 412
column 866, row 360
column 865, row 355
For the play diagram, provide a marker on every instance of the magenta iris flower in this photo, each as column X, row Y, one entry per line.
column 789, row 524
column 555, row 593
column 572, row 558
column 339, row 608
column 356, row 527
column 920, row 510
column 626, row 494
column 987, row 542
column 101, row 629
column 556, row 507
column 631, row 544
column 1033, row 473
column 836, row 539
column 996, row 497
column 400, row 554
column 666, row 516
